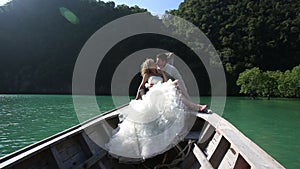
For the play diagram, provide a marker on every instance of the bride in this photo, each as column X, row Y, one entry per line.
column 156, row 123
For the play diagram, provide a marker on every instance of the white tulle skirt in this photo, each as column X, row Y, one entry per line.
column 152, row 125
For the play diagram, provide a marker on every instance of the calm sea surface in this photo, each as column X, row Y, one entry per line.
column 272, row 124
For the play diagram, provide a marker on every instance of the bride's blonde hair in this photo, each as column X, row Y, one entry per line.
column 147, row 66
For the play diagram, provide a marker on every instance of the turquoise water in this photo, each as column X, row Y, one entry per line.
column 272, row 124
column 26, row 119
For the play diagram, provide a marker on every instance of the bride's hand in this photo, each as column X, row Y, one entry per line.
column 175, row 82
column 147, row 85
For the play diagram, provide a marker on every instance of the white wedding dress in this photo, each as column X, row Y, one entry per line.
column 151, row 126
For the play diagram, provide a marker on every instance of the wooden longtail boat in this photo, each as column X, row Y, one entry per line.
column 211, row 143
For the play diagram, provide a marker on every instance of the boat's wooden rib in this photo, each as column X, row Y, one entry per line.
column 91, row 161
column 57, row 158
column 213, row 144
column 218, row 144
column 219, row 153
column 205, row 164
column 229, row 159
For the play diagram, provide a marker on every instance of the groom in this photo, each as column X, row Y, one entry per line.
column 170, row 71
column 173, row 74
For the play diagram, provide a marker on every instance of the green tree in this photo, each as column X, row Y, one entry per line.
column 269, row 83
column 250, row 81
column 255, row 82
column 289, row 83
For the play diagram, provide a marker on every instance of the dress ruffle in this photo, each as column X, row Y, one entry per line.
column 152, row 125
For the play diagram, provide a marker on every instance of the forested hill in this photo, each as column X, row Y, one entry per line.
column 264, row 34
column 41, row 39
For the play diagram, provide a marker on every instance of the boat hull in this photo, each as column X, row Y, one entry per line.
column 212, row 143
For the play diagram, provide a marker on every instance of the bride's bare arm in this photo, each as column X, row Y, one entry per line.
column 142, row 86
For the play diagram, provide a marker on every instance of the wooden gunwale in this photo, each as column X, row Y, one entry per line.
column 252, row 153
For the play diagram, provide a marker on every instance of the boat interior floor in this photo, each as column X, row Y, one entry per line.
column 180, row 156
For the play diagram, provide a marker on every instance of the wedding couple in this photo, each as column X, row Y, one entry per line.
column 162, row 71
column 159, row 120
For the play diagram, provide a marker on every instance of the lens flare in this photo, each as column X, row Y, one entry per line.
column 69, row 15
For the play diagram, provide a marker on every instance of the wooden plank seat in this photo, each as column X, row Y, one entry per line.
column 92, row 160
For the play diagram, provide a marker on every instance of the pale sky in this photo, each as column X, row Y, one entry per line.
column 2, row 2
column 156, row 7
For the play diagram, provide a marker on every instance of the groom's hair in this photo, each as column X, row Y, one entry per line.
column 162, row 56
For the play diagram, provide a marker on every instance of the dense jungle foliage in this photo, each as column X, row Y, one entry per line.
column 41, row 39
column 248, row 33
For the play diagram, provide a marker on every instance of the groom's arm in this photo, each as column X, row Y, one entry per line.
column 177, row 75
